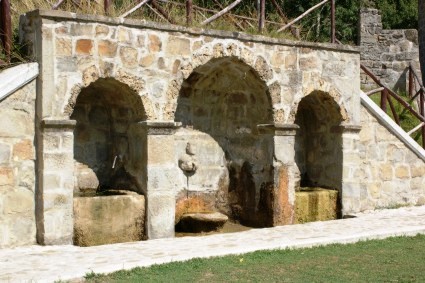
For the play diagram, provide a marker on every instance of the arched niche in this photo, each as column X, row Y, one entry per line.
column 108, row 147
column 226, row 99
column 318, row 142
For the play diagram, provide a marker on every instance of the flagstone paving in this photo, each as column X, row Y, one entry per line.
column 50, row 263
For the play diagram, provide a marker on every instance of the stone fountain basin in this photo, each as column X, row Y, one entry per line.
column 315, row 204
column 114, row 217
column 202, row 222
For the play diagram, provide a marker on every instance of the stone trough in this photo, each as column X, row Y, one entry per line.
column 201, row 222
column 315, row 204
column 114, row 217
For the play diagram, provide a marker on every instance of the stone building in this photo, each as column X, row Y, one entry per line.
column 387, row 53
column 165, row 120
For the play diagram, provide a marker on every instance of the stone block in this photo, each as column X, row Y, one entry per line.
column 19, row 201
column 7, row 177
column 160, row 215
column 178, row 46
column 102, row 30
column 402, row 172
column 128, row 57
column 84, row 47
column 4, row 153
column 386, row 173
column 291, row 61
column 58, row 226
column 417, row 171
column 161, row 150
column 63, row 47
column 16, row 123
column 82, row 29
column 109, row 219
column 309, row 63
column 58, row 162
column 278, row 59
column 147, row 61
column 155, row 44
column 24, row 150
column 107, row 48
column 124, row 35
column 66, row 64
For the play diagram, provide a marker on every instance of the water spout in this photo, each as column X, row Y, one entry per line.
column 115, row 160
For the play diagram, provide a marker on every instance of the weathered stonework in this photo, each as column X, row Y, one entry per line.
column 388, row 173
column 387, row 53
column 138, row 92
column 17, row 168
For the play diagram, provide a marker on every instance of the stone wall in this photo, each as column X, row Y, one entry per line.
column 387, row 53
column 421, row 9
column 17, row 170
column 235, row 95
column 390, row 174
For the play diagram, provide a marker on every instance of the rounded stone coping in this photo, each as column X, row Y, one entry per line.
column 62, row 15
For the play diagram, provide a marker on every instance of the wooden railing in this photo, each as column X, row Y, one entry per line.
column 192, row 10
column 387, row 94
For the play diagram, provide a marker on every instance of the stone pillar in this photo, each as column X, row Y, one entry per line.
column 286, row 178
column 421, row 31
column 161, row 171
column 351, row 186
column 54, row 194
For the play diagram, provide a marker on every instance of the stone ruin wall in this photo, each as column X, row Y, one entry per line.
column 421, row 17
column 17, row 168
column 387, row 53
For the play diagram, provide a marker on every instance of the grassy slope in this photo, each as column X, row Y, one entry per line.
column 407, row 120
column 391, row 260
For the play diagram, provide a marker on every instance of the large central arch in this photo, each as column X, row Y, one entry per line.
column 226, row 100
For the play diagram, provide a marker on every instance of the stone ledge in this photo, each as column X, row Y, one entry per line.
column 278, row 129
column 61, row 15
column 58, row 124
column 160, row 127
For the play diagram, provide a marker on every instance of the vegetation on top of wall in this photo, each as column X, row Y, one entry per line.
column 314, row 27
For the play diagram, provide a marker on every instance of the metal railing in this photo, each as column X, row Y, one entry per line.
column 387, row 94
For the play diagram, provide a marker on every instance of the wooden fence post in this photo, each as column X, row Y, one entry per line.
column 6, row 28
column 384, row 97
column 262, row 16
column 189, row 8
column 333, row 36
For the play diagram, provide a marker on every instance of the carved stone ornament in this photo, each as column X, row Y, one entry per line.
column 188, row 162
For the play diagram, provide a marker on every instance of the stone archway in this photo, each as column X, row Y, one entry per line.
column 319, row 153
column 220, row 106
column 109, row 205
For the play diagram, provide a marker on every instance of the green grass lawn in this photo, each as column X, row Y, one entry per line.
column 400, row 259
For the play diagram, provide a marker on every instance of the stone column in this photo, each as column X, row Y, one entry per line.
column 351, row 186
column 54, row 194
column 161, row 171
column 421, row 31
column 286, row 178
